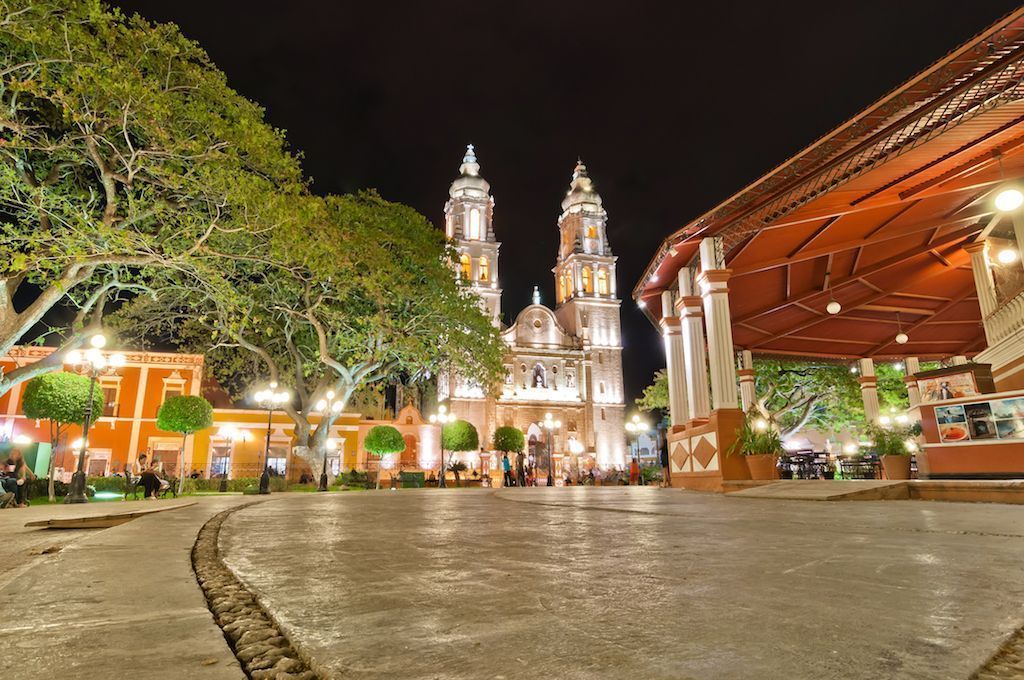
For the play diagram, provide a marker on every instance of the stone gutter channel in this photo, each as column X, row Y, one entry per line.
column 265, row 653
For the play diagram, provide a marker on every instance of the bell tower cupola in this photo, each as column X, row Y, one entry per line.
column 468, row 223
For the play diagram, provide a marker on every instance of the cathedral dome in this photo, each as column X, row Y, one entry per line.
column 469, row 182
column 581, row 196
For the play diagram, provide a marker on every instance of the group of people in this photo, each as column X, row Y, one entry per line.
column 14, row 481
column 144, row 472
column 524, row 472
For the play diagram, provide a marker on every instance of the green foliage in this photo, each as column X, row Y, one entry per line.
column 382, row 440
column 756, row 436
column 184, row 414
column 125, row 154
column 509, row 439
column 354, row 479
column 60, row 397
column 655, row 395
column 891, row 440
column 459, row 435
column 822, row 395
column 458, row 467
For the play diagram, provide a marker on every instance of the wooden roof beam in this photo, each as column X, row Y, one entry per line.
column 968, row 292
column 872, row 269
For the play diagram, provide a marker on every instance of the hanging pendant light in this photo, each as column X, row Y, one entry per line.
column 901, row 337
column 833, row 307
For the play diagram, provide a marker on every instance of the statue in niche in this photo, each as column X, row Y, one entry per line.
column 539, row 379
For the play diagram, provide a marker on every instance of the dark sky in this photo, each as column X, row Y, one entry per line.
column 672, row 105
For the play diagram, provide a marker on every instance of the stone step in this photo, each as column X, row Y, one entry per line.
column 828, row 490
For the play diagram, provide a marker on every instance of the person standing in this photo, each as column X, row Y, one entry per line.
column 634, row 472
column 666, row 471
column 521, row 468
column 506, row 468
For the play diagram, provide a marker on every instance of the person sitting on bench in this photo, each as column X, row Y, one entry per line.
column 150, row 482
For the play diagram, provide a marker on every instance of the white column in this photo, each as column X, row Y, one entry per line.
column 912, row 366
column 692, row 314
column 748, row 395
column 869, row 390
column 715, row 291
column 675, row 361
column 983, row 281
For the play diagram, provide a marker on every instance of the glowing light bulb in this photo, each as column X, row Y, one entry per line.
column 98, row 341
column 1009, row 199
column 833, row 307
column 1007, row 256
column 902, row 338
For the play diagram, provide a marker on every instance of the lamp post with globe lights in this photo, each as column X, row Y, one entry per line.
column 550, row 426
column 635, row 427
column 329, row 409
column 270, row 399
column 92, row 362
column 442, row 417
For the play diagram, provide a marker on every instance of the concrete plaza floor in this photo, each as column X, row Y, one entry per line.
column 632, row 583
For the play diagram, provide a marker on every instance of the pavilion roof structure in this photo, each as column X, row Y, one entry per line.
column 874, row 214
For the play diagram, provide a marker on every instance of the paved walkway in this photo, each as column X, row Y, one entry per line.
column 109, row 601
column 633, row 583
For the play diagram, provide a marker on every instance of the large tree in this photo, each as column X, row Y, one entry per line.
column 799, row 394
column 361, row 293
column 122, row 151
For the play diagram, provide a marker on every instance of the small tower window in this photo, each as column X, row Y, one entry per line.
column 465, row 267
column 485, row 269
column 602, row 282
column 591, row 231
column 588, row 284
column 561, row 288
column 474, row 224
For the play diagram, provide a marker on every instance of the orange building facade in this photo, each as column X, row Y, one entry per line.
column 233, row 447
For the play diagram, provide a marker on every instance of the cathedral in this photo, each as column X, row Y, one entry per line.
column 566, row 362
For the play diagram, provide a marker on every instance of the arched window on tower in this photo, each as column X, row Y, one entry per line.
column 474, row 224
column 602, row 282
column 485, row 269
column 591, row 231
column 465, row 267
column 588, row 284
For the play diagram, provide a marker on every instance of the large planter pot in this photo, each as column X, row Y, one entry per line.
column 763, row 466
column 896, row 467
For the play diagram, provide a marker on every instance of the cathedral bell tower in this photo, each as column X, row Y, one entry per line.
column 588, row 307
column 468, row 216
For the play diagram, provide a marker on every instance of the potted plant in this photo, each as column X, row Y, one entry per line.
column 889, row 443
column 761, row 444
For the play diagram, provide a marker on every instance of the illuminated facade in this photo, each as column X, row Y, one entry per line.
column 566, row 361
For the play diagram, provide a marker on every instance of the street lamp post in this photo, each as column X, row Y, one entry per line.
column 269, row 399
column 92, row 362
column 442, row 417
column 550, row 426
column 329, row 408
column 635, row 428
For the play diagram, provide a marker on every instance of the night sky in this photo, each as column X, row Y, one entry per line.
column 672, row 106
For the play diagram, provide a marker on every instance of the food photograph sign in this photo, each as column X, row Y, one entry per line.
column 986, row 420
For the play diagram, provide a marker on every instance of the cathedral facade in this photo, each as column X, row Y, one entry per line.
column 566, row 362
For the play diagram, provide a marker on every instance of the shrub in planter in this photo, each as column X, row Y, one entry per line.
column 759, row 440
column 890, row 445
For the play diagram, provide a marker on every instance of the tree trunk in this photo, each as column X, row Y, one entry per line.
column 51, row 492
column 181, row 466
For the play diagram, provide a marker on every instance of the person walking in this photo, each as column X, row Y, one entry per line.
column 666, row 471
column 506, row 468
column 521, row 468
column 634, row 472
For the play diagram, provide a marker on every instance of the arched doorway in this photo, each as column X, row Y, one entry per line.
column 410, row 457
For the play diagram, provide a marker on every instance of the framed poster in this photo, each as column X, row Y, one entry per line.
column 996, row 419
column 952, row 386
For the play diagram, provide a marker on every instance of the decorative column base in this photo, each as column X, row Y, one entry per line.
column 699, row 457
